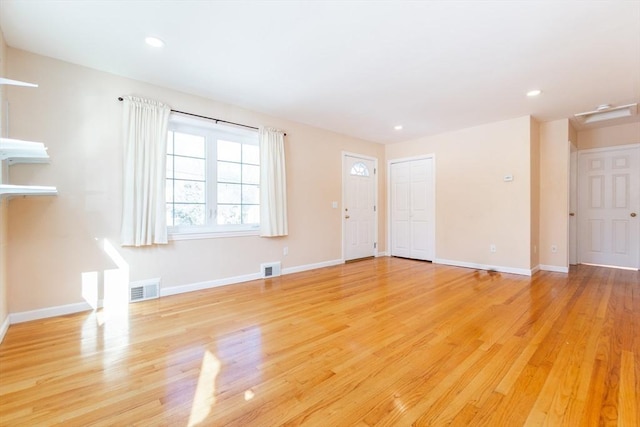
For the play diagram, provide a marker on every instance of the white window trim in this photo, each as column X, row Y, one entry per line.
column 212, row 234
column 179, row 123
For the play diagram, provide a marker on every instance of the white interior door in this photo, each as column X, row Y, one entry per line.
column 400, row 209
column 359, row 207
column 608, row 207
column 412, row 209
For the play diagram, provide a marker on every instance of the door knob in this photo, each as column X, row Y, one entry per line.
column 633, row 214
column 572, row 214
column 347, row 217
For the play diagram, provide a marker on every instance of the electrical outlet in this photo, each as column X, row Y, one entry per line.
column 554, row 249
column 492, row 248
column 285, row 251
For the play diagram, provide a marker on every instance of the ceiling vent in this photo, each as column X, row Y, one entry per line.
column 607, row 112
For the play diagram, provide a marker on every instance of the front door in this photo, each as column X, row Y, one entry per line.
column 359, row 210
column 608, row 207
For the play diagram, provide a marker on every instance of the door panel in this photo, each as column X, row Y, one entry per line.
column 359, row 207
column 412, row 209
column 609, row 200
column 400, row 199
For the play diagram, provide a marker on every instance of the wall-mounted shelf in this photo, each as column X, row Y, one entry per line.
column 27, row 190
column 14, row 151
column 18, row 151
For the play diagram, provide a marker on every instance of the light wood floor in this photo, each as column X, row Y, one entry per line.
column 380, row 342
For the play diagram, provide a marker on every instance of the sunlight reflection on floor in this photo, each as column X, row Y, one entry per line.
column 204, row 398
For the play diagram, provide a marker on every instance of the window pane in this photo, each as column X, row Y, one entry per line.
column 169, row 214
column 189, row 214
column 230, row 151
column 169, row 166
column 250, row 194
column 189, row 168
column 170, row 142
column 229, row 214
column 250, row 214
column 189, row 145
column 229, row 172
column 250, row 154
column 250, row 174
column 189, row 191
column 360, row 169
column 169, row 190
column 229, row 193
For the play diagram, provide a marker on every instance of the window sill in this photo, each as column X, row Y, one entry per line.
column 212, row 234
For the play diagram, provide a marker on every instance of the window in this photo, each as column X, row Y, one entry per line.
column 213, row 178
column 360, row 169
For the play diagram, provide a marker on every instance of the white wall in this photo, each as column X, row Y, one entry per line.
column 4, row 307
column 554, row 193
column 534, row 243
column 54, row 240
column 474, row 206
column 609, row 136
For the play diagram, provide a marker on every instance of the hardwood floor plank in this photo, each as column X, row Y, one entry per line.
column 628, row 412
column 381, row 342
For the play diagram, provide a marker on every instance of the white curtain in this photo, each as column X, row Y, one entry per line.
column 273, row 184
column 144, row 219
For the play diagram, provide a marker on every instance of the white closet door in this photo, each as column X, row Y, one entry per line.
column 412, row 209
column 401, row 209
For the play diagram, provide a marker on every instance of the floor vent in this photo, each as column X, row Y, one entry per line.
column 270, row 269
column 144, row 290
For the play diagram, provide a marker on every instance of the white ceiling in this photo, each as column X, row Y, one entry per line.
column 356, row 67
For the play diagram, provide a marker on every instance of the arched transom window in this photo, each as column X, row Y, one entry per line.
column 359, row 169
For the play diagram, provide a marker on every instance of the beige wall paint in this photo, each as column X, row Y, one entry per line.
column 609, row 136
column 554, row 192
column 573, row 134
column 4, row 308
column 474, row 206
column 535, row 192
column 54, row 240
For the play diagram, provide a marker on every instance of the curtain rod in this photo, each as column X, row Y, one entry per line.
column 208, row 118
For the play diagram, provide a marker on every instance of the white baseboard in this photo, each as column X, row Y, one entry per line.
column 535, row 269
column 501, row 269
column 174, row 290
column 382, row 254
column 61, row 310
column 306, row 267
column 4, row 327
column 43, row 313
column 555, row 268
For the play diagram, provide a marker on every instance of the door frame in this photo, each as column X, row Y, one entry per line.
column 346, row 154
column 431, row 156
column 572, row 222
column 588, row 151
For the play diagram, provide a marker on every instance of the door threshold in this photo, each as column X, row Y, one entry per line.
column 610, row 266
column 359, row 259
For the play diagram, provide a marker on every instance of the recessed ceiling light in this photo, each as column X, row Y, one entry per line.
column 534, row 92
column 154, row 41
column 398, row 127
